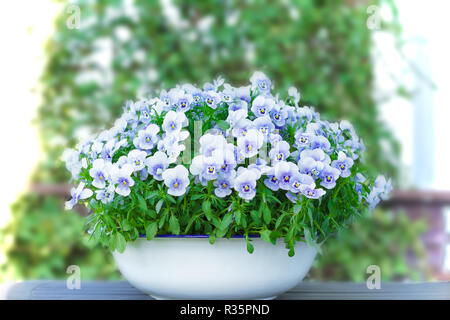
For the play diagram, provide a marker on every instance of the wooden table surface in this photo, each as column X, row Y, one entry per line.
column 122, row 290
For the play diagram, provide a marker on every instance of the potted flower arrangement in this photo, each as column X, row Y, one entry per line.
column 220, row 192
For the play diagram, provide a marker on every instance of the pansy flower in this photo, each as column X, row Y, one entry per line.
column 166, row 99
column 262, row 106
column 280, row 152
column 228, row 94
column 310, row 192
column 176, row 180
column 156, row 164
column 207, row 168
column 278, row 115
column 121, row 177
column 250, row 143
column 261, row 82
column 105, row 195
column 316, row 154
column 137, row 159
column 272, row 182
column 174, row 122
column 302, row 139
column 329, row 175
column 241, row 128
column 264, row 125
column 99, row 173
column 284, row 171
column 245, row 183
column 311, row 167
column 147, row 138
column 224, row 184
column 299, row 179
column 211, row 98
column 320, row 142
column 343, row 163
column 79, row 193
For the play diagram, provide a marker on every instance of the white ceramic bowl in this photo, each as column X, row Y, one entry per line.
column 192, row 268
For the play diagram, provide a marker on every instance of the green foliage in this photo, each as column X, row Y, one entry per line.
column 384, row 239
column 46, row 241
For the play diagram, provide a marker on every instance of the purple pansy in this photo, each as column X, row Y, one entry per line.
column 105, row 195
column 328, row 176
column 174, row 122
column 136, row 158
column 147, row 138
column 284, row 171
column 156, row 165
column 211, row 98
column 176, row 180
column 249, row 144
column 100, row 173
column 79, row 193
column 261, row 82
column 278, row 115
column 121, row 177
column 343, row 163
column 303, row 139
column 207, row 168
column 264, row 125
column 279, row 152
column 310, row 167
column 309, row 191
column 299, row 179
column 224, row 184
column 262, row 106
column 245, row 183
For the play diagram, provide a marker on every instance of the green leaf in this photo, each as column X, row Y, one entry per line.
column 159, row 205
column 222, row 124
column 121, row 243
column 265, row 235
column 291, row 252
column 151, row 230
column 297, row 208
column 221, row 232
column 151, row 213
column 244, row 220
column 308, row 237
column 250, row 247
column 212, row 238
column 142, row 203
column 174, row 225
column 163, row 220
column 206, row 207
column 237, row 217
column 267, row 214
column 227, row 219
column 171, row 199
column 112, row 242
column 279, row 220
column 126, row 225
column 254, row 214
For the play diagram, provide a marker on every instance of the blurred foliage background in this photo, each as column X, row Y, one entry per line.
column 129, row 49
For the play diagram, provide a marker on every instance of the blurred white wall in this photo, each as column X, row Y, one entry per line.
column 422, row 123
column 24, row 26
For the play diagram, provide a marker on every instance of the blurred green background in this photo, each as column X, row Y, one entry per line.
column 129, row 49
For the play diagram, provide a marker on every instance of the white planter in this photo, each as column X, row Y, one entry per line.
column 192, row 268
